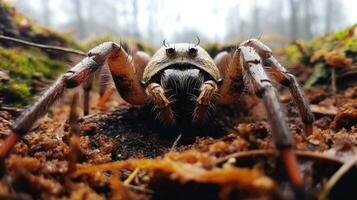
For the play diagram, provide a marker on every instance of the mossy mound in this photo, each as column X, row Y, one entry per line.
column 27, row 70
column 335, row 51
column 24, row 72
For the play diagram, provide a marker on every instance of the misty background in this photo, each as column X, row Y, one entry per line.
column 179, row 21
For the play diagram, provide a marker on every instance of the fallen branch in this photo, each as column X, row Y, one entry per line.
column 336, row 177
column 42, row 46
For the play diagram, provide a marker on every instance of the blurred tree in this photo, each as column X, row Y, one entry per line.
column 189, row 35
column 46, row 12
column 151, row 18
column 233, row 22
column 333, row 15
column 307, row 18
column 135, row 24
column 256, row 13
column 77, row 8
column 293, row 18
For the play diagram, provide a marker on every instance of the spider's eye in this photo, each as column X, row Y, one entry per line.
column 192, row 51
column 170, row 51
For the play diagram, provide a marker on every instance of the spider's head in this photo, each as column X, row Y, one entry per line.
column 181, row 54
column 181, row 69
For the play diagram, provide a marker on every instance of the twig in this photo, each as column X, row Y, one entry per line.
column 42, row 46
column 336, row 177
column 175, row 143
column 131, row 176
column 333, row 84
column 333, row 80
column 301, row 48
column 244, row 154
column 272, row 152
column 13, row 111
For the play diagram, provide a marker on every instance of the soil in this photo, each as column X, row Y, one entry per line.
column 38, row 166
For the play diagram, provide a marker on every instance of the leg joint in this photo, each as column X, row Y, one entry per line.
column 101, row 52
column 263, row 50
column 288, row 79
column 264, row 85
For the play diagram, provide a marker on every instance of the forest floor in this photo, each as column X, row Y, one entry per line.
column 231, row 158
column 123, row 153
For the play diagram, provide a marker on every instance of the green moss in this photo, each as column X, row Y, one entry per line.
column 16, row 93
column 24, row 66
column 319, row 74
column 341, row 41
column 293, row 54
column 350, row 45
column 4, row 5
column 21, row 69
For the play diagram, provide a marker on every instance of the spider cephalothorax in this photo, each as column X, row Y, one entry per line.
column 183, row 84
column 183, row 71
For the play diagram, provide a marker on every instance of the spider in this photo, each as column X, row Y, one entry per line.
column 183, row 84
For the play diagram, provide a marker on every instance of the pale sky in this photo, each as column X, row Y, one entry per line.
column 205, row 16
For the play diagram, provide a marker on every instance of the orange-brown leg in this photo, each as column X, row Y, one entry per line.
column 261, row 85
column 87, row 87
column 105, row 97
column 222, row 61
column 282, row 76
column 233, row 84
column 70, row 79
column 121, row 69
column 125, row 79
column 140, row 60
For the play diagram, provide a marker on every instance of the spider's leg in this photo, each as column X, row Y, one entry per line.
column 104, row 80
column 124, row 77
column 70, row 79
column 207, row 93
column 87, row 87
column 231, row 71
column 105, row 97
column 222, row 60
column 285, row 78
column 157, row 96
column 121, row 70
column 261, row 85
column 139, row 62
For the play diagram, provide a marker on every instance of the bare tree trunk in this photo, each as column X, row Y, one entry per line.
column 46, row 12
column 135, row 18
column 308, row 18
column 77, row 4
column 328, row 15
column 256, row 27
column 293, row 19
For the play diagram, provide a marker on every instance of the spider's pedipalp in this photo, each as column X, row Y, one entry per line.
column 207, row 95
column 157, row 95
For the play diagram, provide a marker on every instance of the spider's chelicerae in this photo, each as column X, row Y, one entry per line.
column 183, row 82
